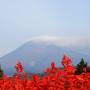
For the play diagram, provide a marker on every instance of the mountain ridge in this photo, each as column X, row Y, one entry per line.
column 37, row 56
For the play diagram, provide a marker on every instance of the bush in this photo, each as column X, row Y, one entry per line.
column 55, row 79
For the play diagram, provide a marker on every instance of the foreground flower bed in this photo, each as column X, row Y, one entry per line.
column 55, row 79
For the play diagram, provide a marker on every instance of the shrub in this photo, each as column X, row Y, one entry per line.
column 55, row 79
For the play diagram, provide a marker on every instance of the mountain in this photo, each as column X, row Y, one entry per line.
column 36, row 56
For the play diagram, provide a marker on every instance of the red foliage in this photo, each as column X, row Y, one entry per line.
column 55, row 79
column 19, row 67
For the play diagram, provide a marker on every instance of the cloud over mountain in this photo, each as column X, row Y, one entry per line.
column 64, row 41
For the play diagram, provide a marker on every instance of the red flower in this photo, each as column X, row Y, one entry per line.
column 56, row 79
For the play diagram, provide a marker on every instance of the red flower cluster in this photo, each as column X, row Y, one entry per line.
column 55, row 79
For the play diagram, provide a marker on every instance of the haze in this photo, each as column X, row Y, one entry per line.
column 21, row 20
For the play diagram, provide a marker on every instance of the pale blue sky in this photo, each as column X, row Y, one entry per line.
column 21, row 20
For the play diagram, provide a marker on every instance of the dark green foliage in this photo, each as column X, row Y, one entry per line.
column 88, row 69
column 80, row 66
column 1, row 72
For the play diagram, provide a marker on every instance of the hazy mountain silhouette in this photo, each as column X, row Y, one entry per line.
column 35, row 57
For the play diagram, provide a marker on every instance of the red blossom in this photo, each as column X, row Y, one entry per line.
column 56, row 79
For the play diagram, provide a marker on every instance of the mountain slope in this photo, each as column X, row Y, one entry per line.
column 37, row 56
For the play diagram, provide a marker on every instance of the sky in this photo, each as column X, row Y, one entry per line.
column 21, row 20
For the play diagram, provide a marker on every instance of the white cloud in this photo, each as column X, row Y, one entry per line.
column 63, row 41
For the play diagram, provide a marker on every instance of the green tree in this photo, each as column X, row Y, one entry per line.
column 80, row 66
column 1, row 72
